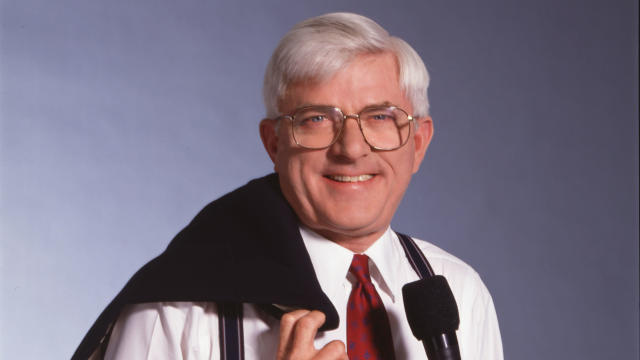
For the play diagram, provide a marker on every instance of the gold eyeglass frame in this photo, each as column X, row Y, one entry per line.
column 356, row 117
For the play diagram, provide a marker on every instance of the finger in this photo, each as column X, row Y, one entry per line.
column 305, row 330
column 334, row 350
column 287, row 323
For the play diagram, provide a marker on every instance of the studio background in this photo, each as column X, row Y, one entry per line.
column 120, row 120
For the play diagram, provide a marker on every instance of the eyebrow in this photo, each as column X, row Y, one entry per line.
column 385, row 103
column 304, row 105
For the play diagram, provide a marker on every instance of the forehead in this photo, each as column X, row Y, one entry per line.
column 367, row 80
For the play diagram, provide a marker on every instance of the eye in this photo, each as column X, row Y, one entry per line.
column 381, row 117
column 316, row 118
column 312, row 118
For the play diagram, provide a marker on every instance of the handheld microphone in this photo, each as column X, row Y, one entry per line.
column 432, row 313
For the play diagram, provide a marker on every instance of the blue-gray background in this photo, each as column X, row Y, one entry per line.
column 121, row 119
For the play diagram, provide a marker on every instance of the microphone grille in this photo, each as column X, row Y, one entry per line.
column 430, row 307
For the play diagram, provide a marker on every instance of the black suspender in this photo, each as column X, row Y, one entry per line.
column 230, row 329
column 416, row 258
column 230, row 314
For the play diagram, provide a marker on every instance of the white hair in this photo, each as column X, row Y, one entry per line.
column 315, row 49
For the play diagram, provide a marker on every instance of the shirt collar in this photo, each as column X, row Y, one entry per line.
column 331, row 261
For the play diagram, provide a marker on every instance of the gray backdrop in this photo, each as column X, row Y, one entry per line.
column 121, row 119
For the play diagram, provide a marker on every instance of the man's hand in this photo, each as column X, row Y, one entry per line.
column 297, row 331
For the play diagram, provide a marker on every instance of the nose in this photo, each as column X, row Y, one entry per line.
column 351, row 143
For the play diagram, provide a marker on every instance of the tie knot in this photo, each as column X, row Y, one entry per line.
column 360, row 268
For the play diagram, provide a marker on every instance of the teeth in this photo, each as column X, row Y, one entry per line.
column 344, row 178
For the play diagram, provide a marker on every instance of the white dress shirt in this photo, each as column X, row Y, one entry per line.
column 189, row 330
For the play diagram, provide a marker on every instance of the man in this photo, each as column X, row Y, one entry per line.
column 347, row 126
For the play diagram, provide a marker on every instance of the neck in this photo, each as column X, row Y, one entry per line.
column 357, row 244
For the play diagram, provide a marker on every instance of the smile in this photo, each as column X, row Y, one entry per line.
column 350, row 179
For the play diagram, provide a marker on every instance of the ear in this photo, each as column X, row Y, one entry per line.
column 421, row 139
column 269, row 137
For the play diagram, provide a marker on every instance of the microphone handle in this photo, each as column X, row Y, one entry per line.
column 442, row 347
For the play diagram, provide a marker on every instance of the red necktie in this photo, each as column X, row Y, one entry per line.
column 368, row 332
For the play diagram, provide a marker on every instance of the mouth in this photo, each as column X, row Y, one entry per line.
column 350, row 179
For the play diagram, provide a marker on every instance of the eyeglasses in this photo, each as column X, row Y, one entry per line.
column 318, row 127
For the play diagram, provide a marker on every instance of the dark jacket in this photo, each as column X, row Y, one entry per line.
column 242, row 247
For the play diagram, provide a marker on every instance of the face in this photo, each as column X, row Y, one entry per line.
column 347, row 192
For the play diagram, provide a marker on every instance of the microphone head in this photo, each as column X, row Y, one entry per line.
column 430, row 307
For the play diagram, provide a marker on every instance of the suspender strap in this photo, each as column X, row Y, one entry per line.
column 231, row 333
column 416, row 258
column 230, row 314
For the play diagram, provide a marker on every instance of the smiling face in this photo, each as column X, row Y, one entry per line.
column 347, row 192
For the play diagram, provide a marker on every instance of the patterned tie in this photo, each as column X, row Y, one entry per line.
column 368, row 332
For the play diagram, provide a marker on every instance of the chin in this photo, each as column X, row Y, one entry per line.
column 352, row 227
